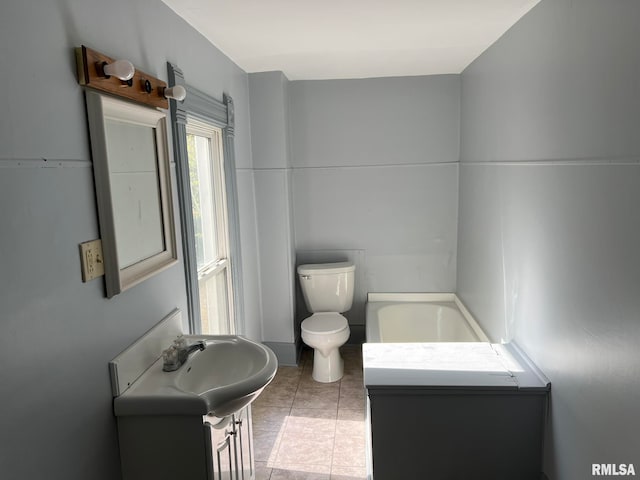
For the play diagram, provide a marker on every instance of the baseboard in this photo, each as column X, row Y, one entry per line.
column 287, row 353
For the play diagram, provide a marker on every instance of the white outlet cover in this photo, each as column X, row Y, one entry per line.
column 91, row 260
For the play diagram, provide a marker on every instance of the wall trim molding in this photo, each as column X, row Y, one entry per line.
column 348, row 167
column 355, row 167
column 613, row 161
column 44, row 163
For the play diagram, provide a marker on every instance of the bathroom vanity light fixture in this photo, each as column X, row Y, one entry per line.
column 122, row 69
column 177, row 92
column 119, row 78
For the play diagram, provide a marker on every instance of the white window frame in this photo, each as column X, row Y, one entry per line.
column 220, row 113
column 222, row 263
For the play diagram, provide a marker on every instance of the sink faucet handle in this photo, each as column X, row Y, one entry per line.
column 180, row 342
column 170, row 357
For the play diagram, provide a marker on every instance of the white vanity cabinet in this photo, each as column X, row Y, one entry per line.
column 192, row 422
column 171, row 447
column 231, row 446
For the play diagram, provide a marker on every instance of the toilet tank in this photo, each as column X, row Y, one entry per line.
column 327, row 287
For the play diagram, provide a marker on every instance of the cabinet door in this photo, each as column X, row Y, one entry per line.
column 242, row 421
column 223, row 451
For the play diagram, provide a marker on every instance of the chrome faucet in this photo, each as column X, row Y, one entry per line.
column 177, row 354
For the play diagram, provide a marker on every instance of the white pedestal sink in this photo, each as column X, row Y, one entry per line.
column 220, row 380
column 194, row 422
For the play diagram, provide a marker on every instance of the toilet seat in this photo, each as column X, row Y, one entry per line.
column 324, row 323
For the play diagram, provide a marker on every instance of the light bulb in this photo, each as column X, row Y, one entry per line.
column 122, row 69
column 177, row 92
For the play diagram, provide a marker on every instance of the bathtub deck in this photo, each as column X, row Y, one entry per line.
column 444, row 365
column 435, row 364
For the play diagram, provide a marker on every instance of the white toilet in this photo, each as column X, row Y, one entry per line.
column 328, row 291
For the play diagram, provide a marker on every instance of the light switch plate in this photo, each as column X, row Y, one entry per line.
column 91, row 260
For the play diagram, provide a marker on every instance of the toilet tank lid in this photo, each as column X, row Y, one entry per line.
column 326, row 268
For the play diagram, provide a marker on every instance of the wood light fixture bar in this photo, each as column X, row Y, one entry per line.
column 142, row 88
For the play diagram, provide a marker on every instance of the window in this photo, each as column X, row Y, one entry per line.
column 203, row 143
column 210, row 226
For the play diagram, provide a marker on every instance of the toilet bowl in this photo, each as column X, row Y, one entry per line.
column 326, row 332
column 328, row 292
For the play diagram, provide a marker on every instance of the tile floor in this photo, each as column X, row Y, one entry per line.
column 305, row 430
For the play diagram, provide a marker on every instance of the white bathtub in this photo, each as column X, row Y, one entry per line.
column 419, row 317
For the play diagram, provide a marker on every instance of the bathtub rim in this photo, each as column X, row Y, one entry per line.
column 373, row 298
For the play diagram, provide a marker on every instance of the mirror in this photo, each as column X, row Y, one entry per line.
column 133, row 189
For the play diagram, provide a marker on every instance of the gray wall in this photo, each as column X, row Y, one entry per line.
column 364, row 170
column 268, row 93
column 57, row 333
column 549, row 228
column 375, row 172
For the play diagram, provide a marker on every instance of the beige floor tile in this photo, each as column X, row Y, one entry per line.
column 349, row 451
column 288, row 372
column 352, row 356
column 262, row 471
column 277, row 396
column 266, row 417
column 265, row 444
column 285, row 379
column 348, row 473
column 307, row 374
column 352, row 399
column 350, row 422
column 311, row 421
column 352, row 414
column 351, row 365
column 354, row 376
column 305, row 429
column 302, row 449
column 352, row 385
column 324, row 397
column 301, row 472
column 353, row 372
column 307, row 381
column 351, row 381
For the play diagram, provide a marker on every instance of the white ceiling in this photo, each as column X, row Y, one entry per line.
column 352, row 38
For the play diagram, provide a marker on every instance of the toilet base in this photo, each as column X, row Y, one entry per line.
column 327, row 369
